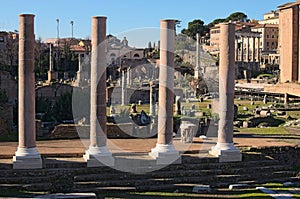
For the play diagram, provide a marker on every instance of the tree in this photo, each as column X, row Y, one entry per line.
column 194, row 27
column 41, row 59
column 63, row 108
column 237, row 16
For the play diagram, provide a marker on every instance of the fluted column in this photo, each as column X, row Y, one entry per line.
column 27, row 155
column 98, row 153
column 225, row 148
column 165, row 152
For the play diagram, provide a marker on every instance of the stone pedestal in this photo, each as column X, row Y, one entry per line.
column 98, row 156
column 225, row 149
column 226, row 152
column 27, row 156
column 165, row 152
column 52, row 75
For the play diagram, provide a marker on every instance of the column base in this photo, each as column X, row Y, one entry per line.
column 27, row 158
column 165, row 154
column 98, row 157
column 52, row 75
column 226, row 152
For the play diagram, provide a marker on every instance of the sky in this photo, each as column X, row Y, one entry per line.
column 138, row 20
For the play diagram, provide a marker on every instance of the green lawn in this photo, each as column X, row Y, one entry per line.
column 266, row 131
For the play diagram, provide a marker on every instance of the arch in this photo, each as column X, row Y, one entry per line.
column 136, row 55
column 113, row 55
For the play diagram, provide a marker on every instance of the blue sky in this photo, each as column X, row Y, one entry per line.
column 124, row 16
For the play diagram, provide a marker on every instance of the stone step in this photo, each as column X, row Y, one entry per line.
column 24, row 180
column 175, row 173
column 26, row 187
column 158, row 181
column 213, row 180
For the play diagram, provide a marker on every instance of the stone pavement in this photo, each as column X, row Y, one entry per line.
column 77, row 147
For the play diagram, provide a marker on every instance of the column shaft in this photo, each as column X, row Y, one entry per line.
column 98, row 83
column 123, row 94
column 226, row 83
column 51, row 59
column 26, row 82
column 166, row 82
column 197, row 68
column 253, row 49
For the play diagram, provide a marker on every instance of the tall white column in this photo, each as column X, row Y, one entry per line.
column 52, row 75
column 165, row 152
column 248, row 49
column 51, row 58
column 27, row 155
column 124, row 89
column 98, row 153
column 225, row 149
column 253, row 49
column 152, row 99
column 198, row 63
column 242, row 53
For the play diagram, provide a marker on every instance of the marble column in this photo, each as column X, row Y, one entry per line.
column 248, row 49
column 242, row 52
column 236, row 49
column 225, row 149
column 79, row 73
column 197, row 68
column 258, row 50
column 253, row 49
column 27, row 155
column 152, row 99
column 165, row 152
column 124, row 89
column 98, row 154
column 128, row 76
column 52, row 75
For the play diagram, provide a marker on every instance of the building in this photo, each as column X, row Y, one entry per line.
column 9, row 42
column 289, row 42
column 247, row 47
column 270, row 18
column 268, row 45
column 118, row 50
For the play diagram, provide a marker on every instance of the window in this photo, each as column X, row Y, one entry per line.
column 267, row 43
column 268, row 36
column 136, row 55
column 1, row 39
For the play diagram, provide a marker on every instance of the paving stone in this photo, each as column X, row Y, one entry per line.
column 69, row 195
column 238, row 186
column 201, row 188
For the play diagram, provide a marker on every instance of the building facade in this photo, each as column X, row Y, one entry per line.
column 289, row 42
column 9, row 42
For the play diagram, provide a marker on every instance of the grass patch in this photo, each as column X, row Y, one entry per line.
column 258, row 195
column 266, row 131
column 11, row 137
